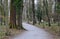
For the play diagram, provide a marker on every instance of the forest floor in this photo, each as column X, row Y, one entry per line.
column 13, row 32
column 33, row 32
column 53, row 29
column 6, row 33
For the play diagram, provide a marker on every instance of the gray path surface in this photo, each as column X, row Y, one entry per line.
column 33, row 33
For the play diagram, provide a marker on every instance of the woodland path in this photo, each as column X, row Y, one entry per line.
column 33, row 32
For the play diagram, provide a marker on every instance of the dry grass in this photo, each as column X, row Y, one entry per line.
column 13, row 32
column 6, row 33
column 54, row 29
column 2, row 31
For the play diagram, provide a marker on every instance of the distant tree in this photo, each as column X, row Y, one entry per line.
column 5, row 7
column 1, row 11
column 27, row 1
column 58, row 11
column 45, row 3
column 39, row 13
column 30, row 10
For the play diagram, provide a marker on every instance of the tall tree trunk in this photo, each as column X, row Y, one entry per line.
column 30, row 10
column 46, row 10
column 33, row 11
column 1, row 13
column 12, row 15
column 20, row 11
column 20, row 19
column 47, row 13
column 5, row 5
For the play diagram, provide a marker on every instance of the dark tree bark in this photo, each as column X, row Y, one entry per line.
column 47, row 13
column 33, row 11
column 20, row 11
column 12, row 15
column 58, row 0
column 1, row 18
column 46, row 7
column 20, row 19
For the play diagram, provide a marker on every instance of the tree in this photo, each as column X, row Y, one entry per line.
column 5, row 7
column 33, row 11
column 46, row 7
column 12, row 15
column 58, row 11
column 39, row 13
column 1, row 11
column 19, row 10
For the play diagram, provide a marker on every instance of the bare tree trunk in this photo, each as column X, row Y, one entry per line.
column 33, row 11
column 47, row 13
column 12, row 16
column 20, row 11
column 20, row 19
column 1, row 13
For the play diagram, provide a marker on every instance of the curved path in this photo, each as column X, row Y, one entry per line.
column 33, row 33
